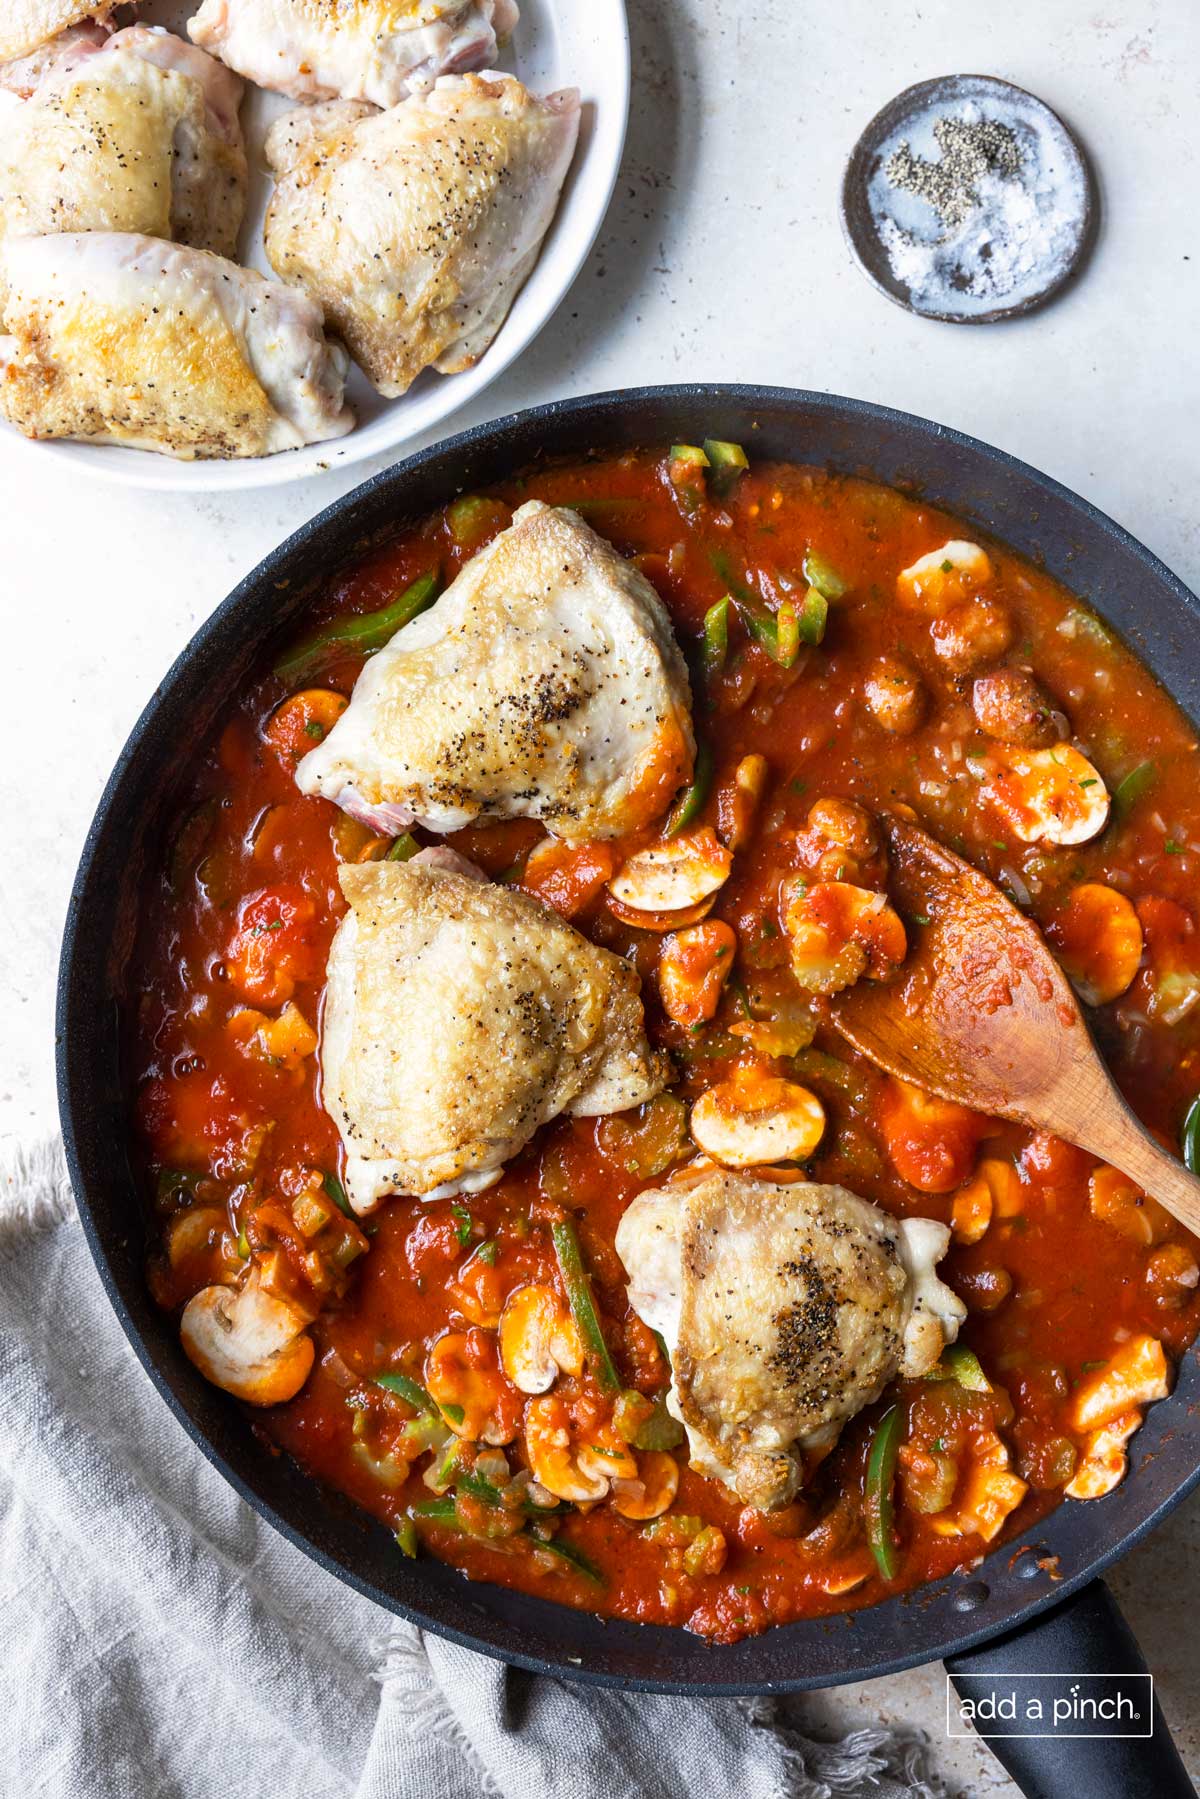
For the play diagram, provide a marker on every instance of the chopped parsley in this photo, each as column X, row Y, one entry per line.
column 462, row 1224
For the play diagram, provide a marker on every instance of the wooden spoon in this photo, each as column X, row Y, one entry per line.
column 983, row 1014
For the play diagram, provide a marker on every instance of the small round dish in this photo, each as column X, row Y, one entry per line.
column 555, row 45
column 975, row 246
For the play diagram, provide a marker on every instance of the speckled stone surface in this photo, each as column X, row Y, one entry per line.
column 721, row 259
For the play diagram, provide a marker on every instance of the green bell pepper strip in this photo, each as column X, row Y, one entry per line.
column 359, row 636
column 589, row 503
column 691, row 802
column 435, row 1511
column 1189, row 1137
column 403, row 849
column 406, row 1537
column 813, row 616
column 486, row 1491
column 583, row 1306
column 574, row 1558
column 963, row 1365
column 878, row 1503
column 824, row 577
column 726, row 462
column 691, row 454
column 716, row 638
column 787, row 626
column 1129, row 791
column 409, row 1390
column 337, row 1193
column 762, row 627
column 415, row 1395
column 758, row 621
column 471, row 517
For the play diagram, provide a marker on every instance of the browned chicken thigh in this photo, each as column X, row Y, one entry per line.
column 138, row 132
column 786, row 1308
column 25, row 25
column 125, row 339
column 416, row 228
column 545, row 683
column 460, row 1016
column 377, row 50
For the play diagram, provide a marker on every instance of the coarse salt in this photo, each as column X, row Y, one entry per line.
column 1017, row 240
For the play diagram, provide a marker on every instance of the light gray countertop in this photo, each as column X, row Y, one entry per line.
column 721, row 259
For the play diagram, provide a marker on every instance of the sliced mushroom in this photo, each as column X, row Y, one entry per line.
column 284, row 1042
column 755, row 1118
column 652, row 1490
column 1135, row 1374
column 1098, row 937
column 850, row 833
column 1104, row 1462
column 1045, row 796
column 604, row 1455
column 840, row 932
column 469, row 1392
column 738, row 801
column 937, row 581
column 990, row 1492
column 678, row 872
column 552, row 1456
column 693, row 968
column 538, row 1339
column 248, row 1342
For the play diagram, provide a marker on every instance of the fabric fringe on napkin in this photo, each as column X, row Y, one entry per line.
column 160, row 1641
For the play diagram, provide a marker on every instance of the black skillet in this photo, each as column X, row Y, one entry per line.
column 1009, row 1613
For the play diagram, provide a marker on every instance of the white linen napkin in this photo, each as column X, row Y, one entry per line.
column 158, row 1638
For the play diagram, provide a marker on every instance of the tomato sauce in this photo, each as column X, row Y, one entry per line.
column 1062, row 1272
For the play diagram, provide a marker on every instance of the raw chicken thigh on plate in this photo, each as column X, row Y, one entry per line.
column 416, row 228
column 129, row 340
column 377, row 50
column 461, row 1016
column 545, row 683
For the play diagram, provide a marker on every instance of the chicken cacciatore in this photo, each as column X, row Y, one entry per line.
column 654, row 1296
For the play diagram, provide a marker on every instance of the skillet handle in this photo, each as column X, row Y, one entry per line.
column 1086, row 1635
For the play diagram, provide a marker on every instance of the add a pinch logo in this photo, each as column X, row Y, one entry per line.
column 1051, row 1705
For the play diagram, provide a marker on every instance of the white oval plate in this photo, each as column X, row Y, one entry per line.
column 558, row 43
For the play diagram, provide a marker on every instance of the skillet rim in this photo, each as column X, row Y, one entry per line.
column 899, row 1617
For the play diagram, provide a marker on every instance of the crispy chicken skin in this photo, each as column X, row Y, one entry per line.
column 460, row 1016
column 416, row 228
column 124, row 339
column 377, row 50
column 25, row 25
column 786, row 1309
column 136, row 133
column 545, row 683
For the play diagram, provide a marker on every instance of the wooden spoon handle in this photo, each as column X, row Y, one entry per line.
column 1115, row 1134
